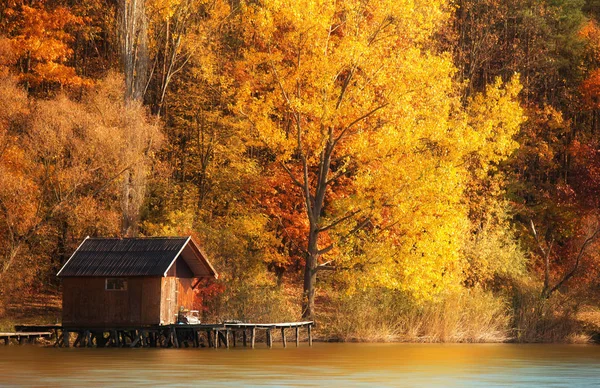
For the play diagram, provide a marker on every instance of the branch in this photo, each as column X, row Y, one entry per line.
column 546, row 253
column 571, row 273
column 358, row 120
column 326, row 268
column 346, row 237
column 338, row 221
column 345, row 86
column 283, row 92
column 291, row 174
column 535, row 235
column 337, row 176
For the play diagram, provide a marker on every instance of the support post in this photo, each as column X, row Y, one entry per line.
column 309, row 334
column 195, row 334
column 88, row 339
column 209, row 338
column 233, row 334
column 269, row 338
column 297, row 336
column 66, row 338
column 244, row 338
column 283, row 339
column 216, row 338
column 152, row 336
column 175, row 339
column 114, row 338
column 145, row 340
column 253, row 336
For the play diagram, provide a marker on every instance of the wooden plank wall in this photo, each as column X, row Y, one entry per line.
column 175, row 294
column 87, row 303
column 168, row 302
column 185, row 294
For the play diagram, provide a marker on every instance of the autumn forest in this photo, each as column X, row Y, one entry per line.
column 430, row 169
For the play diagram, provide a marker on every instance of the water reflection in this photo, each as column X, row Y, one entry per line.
column 359, row 365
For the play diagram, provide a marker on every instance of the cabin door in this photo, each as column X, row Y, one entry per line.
column 169, row 308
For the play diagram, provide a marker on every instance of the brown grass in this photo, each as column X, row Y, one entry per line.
column 465, row 316
column 42, row 308
column 537, row 319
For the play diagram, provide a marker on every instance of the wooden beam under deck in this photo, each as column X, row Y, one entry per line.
column 173, row 335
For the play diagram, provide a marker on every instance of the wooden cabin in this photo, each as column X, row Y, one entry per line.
column 111, row 282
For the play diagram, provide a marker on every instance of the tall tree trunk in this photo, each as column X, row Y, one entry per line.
column 314, row 209
column 310, row 276
column 133, row 31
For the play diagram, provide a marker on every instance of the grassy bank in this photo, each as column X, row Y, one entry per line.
column 468, row 315
column 40, row 308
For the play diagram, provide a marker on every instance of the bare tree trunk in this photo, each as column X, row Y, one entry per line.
column 133, row 31
column 134, row 190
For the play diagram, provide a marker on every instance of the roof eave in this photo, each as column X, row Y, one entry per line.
column 177, row 255
column 67, row 262
column 205, row 260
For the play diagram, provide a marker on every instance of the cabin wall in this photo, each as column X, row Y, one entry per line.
column 86, row 303
column 175, row 294
column 185, row 294
column 168, row 302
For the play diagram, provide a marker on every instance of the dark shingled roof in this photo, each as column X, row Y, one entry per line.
column 133, row 257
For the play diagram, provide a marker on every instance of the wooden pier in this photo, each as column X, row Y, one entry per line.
column 221, row 335
column 23, row 337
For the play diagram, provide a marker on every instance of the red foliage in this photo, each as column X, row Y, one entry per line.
column 206, row 292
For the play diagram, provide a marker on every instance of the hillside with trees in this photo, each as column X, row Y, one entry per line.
column 433, row 166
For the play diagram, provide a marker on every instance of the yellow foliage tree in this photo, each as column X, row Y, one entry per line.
column 352, row 100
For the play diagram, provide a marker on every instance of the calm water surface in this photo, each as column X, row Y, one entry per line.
column 332, row 365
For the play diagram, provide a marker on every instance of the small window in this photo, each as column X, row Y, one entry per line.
column 116, row 284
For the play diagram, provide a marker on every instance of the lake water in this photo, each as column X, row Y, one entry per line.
column 332, row 365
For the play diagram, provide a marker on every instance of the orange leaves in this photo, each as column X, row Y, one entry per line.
column 37, row 43
column 19, row 194
column 591, row 33
column 61, row 163
column 590, row 89
column 42, row 33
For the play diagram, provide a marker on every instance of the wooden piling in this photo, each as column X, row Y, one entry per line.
column 309, row 326
column 283, row 339
column 253, row 336
column 174, row 339
column 244, row 337
column 196, row 341
column 88, row 339
column 297, row 336
column 269, row 338
column 66, row 338
column 209, row 338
